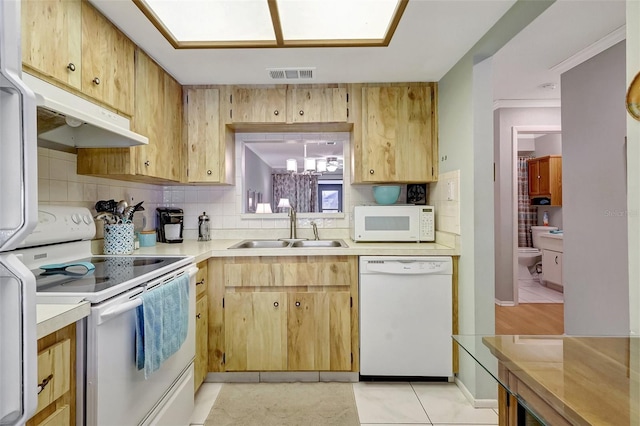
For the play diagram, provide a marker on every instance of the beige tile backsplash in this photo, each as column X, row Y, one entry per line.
column 444, row 195
column 58, row 183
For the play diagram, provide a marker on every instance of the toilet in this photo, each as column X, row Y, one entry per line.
column 528, row 257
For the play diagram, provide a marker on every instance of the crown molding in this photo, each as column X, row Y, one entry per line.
column 526, row 103
column 592, row 50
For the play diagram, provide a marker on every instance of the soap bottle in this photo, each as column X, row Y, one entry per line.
column 545, row 218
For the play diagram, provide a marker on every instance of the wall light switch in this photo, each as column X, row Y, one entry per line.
column 450, row 190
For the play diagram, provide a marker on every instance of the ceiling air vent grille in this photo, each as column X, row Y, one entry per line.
column 291, row 73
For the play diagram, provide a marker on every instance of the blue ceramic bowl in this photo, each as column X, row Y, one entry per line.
column 386, row 194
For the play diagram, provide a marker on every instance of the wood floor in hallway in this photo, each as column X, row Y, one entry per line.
column 530, row 318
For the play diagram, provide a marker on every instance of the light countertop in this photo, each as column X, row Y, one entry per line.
column 53, row 317
column 202, row 250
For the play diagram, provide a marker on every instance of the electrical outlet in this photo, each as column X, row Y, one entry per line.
column 451, row 191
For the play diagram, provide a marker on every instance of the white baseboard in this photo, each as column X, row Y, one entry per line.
column 505, row 302
column 476, row 403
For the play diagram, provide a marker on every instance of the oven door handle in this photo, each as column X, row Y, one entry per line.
column 118, row 310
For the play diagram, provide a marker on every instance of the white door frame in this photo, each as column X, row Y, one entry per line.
column 515, row 132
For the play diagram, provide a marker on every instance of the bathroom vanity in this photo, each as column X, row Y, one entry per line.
column 551, row 246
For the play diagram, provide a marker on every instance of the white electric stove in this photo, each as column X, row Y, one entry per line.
column 110, row 388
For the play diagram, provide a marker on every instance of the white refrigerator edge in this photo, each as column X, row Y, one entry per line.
column 18, row 217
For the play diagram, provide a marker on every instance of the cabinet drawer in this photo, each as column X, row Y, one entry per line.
column 201, row 279
column 54, row 364
column 61, row 417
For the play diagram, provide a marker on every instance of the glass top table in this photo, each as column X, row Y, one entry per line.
column 565, row 379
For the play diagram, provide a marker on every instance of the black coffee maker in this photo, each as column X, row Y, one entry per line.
column 170, row 222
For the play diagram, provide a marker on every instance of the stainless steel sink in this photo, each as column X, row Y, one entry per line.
column 256, row 244
column 319, row 243
column 260, row 244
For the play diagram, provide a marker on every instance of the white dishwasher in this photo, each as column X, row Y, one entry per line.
column 405, row 317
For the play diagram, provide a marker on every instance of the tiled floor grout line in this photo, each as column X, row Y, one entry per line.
column 420, row 401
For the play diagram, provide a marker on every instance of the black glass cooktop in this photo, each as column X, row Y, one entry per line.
column 109, row 272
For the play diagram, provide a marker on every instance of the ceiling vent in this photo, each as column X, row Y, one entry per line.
column 292, row 74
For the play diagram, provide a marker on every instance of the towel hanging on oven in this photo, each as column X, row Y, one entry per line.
column 162, row 323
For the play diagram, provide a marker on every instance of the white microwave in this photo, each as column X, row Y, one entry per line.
column 393, row 223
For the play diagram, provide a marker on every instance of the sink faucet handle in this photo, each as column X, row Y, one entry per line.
column 315, row 231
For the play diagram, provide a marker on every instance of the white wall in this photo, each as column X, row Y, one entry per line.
column 466, row 139
column 258, row 176
column 633, row 168
column 595, row 271
column 550, row 144
column 504, row 121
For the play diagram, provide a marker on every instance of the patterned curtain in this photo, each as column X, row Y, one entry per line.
column 527, row 214
column 301, row 190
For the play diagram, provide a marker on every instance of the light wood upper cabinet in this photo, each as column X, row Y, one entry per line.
column 72, row 45
column 317, row 105
column 259, row 105
column 149, row 119
column 288, row 105
column 107, row 61
column 52, row 40
column 396, row 139
column 158, row 116
column 545, row 178
column 210, row 145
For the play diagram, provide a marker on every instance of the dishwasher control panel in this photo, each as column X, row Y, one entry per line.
column 408, row 265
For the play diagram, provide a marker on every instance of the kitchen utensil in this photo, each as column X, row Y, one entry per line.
column 122, row 204
column 106, row 206
column 73, row 267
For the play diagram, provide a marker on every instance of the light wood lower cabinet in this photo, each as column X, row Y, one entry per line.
column 56, row 375
column 202, row 323
column 291, row 313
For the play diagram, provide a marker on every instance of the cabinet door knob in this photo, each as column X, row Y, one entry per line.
column 96, row 81
column 71, row 67
column 276, row 304
column 276, row 112
column 301, row 112
column 209, row 172
column 556, row 260
column 371, row 171
column 198, row 316
column 297, row 303
column 147, row 163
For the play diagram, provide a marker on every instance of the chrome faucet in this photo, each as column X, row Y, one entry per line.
column 315, row 231
column 293, row 231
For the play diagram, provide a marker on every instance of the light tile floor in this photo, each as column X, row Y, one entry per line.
column 531, row 291
column 384, row 403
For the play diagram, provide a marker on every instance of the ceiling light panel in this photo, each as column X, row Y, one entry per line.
column 214, row 20
column 336, row 19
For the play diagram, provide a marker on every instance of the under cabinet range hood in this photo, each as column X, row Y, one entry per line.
column 66, row 121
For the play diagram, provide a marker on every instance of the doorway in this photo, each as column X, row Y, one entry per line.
column 517, row 134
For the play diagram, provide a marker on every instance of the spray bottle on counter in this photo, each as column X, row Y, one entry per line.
column 545, row 218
